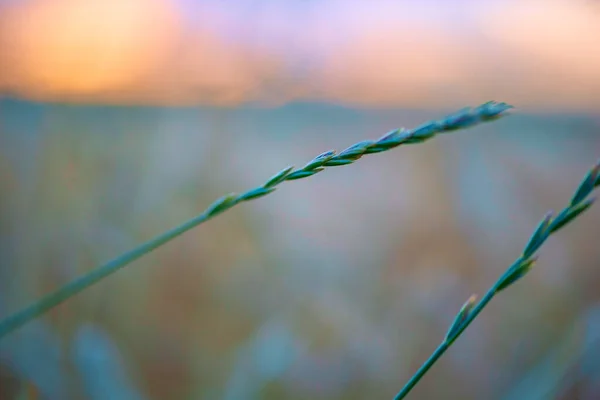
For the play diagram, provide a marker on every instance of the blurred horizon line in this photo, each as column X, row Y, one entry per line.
column 382, row 55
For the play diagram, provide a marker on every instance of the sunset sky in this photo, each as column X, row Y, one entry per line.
column 378, row 53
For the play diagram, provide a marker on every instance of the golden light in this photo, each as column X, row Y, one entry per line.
column 540, row 53
column 84, row 46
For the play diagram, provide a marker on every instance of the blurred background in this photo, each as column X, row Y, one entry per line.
column 120, row 119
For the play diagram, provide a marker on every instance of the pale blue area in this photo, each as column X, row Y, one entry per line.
column 101, row 366
column 34, row 354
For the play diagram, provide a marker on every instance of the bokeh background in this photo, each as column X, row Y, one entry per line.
column 120, row 119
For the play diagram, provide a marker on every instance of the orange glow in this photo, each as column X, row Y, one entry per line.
column 528, row 52
column 85, row 46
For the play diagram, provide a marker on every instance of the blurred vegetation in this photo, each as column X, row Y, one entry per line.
column 334, row 287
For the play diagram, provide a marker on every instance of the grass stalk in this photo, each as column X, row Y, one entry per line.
column 462, row 119
column 549, row 225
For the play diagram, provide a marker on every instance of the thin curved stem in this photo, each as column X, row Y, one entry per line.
column 463, row 119
column 445, row 345
column 77, row 285
column 549, row 225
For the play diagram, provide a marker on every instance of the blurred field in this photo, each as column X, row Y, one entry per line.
column 334, row 287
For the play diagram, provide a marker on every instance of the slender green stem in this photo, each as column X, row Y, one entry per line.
column 51, row 300
column 463, row 119
column 441, row 349
column 579, row 203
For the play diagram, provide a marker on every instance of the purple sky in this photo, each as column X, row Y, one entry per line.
column 372, row 53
